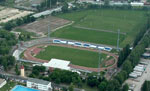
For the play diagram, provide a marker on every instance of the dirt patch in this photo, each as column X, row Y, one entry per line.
column 7, row 14
column 40, row 27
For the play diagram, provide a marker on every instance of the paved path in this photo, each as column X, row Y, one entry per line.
column 138, row 82
column 99, row 30
column 141, row 80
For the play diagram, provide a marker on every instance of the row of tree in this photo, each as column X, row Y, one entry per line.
column 142, row 31
column 123, row 54
column 7, row 40
column 131, row 61
column 19, row 21
column 85, row 6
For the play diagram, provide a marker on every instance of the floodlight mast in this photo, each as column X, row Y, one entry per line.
column 49, row 33
column 118, row 39
column 99, row 62
column 19, row 46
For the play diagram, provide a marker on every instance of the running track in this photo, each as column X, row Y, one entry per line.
column 28, row 56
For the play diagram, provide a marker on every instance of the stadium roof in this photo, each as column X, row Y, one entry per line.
column 57, row 63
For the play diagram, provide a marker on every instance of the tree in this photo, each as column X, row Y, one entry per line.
column 92, row 80
column 127, row 66
column 64, row 89
column 113, row 85
column 16, row 70
column 71, row 87
column 120, row 78
column 19, row 22
column 145, row 86
column 123, row 55
column 8, row 26
column 39, row 68
column 125, row 87
column 102, row 86
column 106, row 2
column 65, row 8
column 120, row 59
column 35, row 72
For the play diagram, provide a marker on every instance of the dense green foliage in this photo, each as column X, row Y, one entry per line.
column 75, row 56
column 36, row 71
column 7, row 40
column 125, row 87
column 9, row 85
column 64, row 76
column 106, row 21
column 146, row 86
column 123, row 55
column 17, row 70
column 17, row 22
column 132, row 60
column 142, row 31
column 94, row 80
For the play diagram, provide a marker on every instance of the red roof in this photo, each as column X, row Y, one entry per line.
column 22, row 67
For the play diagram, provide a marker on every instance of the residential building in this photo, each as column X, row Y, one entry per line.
column 39, row 84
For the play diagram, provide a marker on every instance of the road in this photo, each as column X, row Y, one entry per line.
column 138, row 82
column 23, row 80
column 145, row 76
column 109, row 31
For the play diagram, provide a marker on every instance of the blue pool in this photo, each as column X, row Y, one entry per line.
column 22, row 88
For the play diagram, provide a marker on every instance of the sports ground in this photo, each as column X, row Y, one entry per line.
column 101, row 26
column 78, row 56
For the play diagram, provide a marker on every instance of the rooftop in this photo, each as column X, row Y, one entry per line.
column 38, row 81
column 57, row 63
column 1, row 81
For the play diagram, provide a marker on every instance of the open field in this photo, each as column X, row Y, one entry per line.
column 76, row 56
column 103, row 25
column 7, row 14
column 40, row 27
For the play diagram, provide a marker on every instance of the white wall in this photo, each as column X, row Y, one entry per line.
column 1, row 85
column 39, row 86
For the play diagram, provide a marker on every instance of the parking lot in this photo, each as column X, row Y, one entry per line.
column 136, row 83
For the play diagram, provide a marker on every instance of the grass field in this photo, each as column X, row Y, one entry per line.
column 76, row 56
column 107, row 20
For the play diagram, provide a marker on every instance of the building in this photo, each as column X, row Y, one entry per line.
column 64, row 65
column 22, row 71
column 146, row 55
column 137, row 4
column 2, row 82
column 57, row 63
column 39, row 84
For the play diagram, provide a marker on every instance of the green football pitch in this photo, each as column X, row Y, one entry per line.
column 75, row 56
column 101, row 26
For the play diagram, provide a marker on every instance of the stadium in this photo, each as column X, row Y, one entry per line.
column 87, row 43
column 70, row 55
